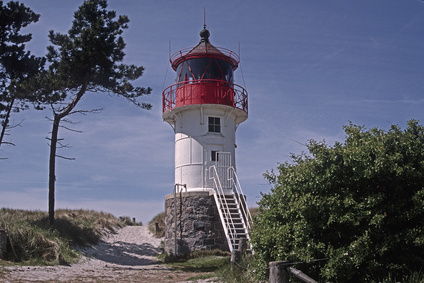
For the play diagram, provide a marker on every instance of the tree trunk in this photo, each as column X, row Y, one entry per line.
column 6, row 120
column 53, row 147
column 52, row 167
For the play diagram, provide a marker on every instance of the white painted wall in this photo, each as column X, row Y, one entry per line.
column 193, row 142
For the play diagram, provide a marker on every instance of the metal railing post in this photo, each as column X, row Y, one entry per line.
column 175, row 216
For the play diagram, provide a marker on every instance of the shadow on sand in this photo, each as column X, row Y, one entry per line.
column 122, row 253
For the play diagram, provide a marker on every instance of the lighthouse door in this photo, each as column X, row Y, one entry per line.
column 219, row 162
column 223, row 163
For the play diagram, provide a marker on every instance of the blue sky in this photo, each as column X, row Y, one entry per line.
column 309, row 67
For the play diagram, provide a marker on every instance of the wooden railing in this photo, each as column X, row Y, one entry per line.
column 279, row 271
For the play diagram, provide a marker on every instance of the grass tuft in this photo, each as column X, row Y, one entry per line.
column 160, row 220
column 129, row 222
column 206, row 263
column 36, row 242
column 236, row 272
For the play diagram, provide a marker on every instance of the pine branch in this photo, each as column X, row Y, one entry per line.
column 15, row 125
column 64, row 145
column 63, row 157
column 85, row 112
column 69, row 129
column 8, row 143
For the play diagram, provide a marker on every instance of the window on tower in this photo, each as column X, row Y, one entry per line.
column 214, row 155
column 214, row 125
column 205, row 69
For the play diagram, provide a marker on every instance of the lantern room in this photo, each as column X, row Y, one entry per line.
column 204, row 75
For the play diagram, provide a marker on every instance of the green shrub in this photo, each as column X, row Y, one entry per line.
column 359, row 204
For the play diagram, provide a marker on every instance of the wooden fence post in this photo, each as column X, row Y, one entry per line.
column 243, row 246
column 277, row 272
column 235, row 256
column 300, row 275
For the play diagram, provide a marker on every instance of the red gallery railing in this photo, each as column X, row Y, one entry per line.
column 204, row 92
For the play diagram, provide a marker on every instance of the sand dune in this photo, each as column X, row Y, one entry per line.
column 127, row 256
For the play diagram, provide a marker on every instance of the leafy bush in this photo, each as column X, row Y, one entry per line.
column 359, row 204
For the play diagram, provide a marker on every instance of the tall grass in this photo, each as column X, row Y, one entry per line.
column 129, row 222
column 160, row 220
column 36, row 242
column 236, row 272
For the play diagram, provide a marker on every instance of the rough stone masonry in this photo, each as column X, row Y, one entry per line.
column 198, row 224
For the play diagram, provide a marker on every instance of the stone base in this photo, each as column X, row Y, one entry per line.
column 197, row 221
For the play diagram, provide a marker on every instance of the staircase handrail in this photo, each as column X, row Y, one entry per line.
column 239, row 193
column 222, row 200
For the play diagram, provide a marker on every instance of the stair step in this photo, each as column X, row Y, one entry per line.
column 237, row 230
column 237, row 226
column 239, row 234
column 233, row 215
column 233, row 218
column 231, row 223
column 230, row 208
column 231, row 211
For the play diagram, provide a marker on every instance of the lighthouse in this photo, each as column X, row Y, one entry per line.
column 207, row 209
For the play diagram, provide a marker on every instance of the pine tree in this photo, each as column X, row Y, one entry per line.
column 87, row 59
column 18, row 67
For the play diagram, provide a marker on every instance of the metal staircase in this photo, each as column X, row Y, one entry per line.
column 232, row 207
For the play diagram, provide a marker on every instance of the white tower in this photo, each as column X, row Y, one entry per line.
column 204, row 108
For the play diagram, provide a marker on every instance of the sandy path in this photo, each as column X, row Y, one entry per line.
column 128, row 256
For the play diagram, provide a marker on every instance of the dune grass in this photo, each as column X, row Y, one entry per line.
column 36, row 242
column 129, row 222
column 159, row 230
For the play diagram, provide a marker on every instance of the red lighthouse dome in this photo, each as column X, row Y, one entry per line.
column 204, row 76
